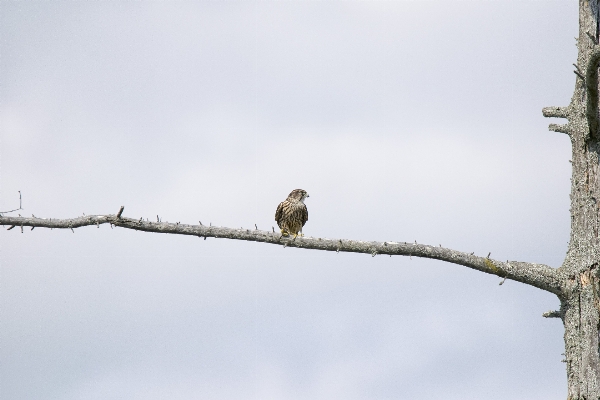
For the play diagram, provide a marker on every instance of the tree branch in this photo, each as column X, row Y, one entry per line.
column 552, row 314
column 559, row 128
column 555, row 112
column 591, row 83
column 538, row 275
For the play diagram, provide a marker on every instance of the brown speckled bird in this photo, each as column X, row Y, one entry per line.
column 291, row 214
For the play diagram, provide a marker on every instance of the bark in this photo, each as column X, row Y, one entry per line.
column 579, row 300
column 537, row 275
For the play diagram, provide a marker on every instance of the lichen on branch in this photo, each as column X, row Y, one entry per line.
column 537, row 275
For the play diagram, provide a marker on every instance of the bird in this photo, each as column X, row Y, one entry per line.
column 292, row 214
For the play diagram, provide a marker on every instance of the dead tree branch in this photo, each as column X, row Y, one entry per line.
column 537, row 275
column 555, row 112
column 591, row 82
column 552, row 314
column 559, row 128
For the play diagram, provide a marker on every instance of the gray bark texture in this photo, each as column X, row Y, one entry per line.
column 576, row 283
column 538, row 275
column 580, row 274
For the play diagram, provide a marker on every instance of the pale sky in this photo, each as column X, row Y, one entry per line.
column 403, row 120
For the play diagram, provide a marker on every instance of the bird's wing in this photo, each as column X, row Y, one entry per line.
column 304, row 215
column 279, row 213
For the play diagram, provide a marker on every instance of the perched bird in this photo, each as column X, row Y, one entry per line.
column 291, row 214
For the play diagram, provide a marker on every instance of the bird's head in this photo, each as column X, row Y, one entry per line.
column 299, row 195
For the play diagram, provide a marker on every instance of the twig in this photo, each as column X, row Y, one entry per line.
column 16, row 209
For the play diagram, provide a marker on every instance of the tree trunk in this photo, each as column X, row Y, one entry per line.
column 580, row 316
column 579, row 298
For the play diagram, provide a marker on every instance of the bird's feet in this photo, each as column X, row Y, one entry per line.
column 284, row 233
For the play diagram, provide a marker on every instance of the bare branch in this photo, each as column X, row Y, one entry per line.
column 591, row 82
column 538, row 275
column 555, row 112
column 560, row 128
column 552, row 314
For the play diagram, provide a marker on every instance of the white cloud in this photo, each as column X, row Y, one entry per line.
column 214, row 112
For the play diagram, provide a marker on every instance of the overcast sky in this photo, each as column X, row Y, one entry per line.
column 404, row 121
